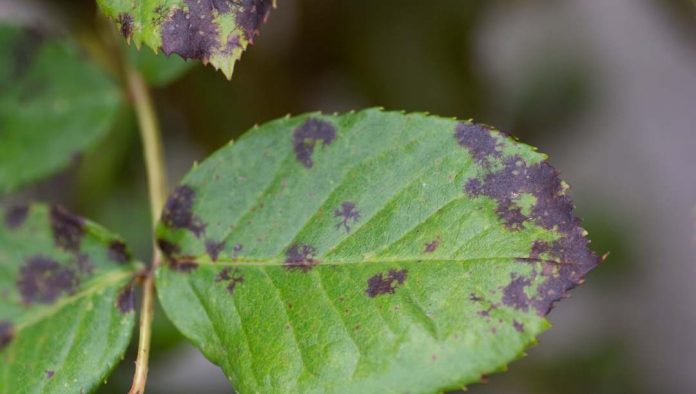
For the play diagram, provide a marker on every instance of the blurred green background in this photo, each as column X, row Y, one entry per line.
column 607, row 88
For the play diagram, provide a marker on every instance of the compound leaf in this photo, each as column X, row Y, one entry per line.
column 368, row 252
column 53, row 104
column 213, row 31
column 66, row 301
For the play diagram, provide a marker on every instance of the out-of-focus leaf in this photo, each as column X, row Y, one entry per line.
column 157, row 68
column 66, row 301
column 368, row 252
column 53, row 104
column 213, row 31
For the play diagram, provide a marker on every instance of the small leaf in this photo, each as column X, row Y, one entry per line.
column 368, row 252
column 213, row 31
column 66, row 301
column 53, row 104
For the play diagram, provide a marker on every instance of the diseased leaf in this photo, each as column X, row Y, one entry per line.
column 53, row 104
column 213, row 31
column 66, row 301
column 368, row 252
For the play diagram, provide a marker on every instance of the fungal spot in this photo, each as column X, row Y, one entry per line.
column 232, row 277
column 15, row 216
column 68, row 229
column 300, row 257
column 42, row 280
column 431, row 246
column 169, row 249
column 192, row 33
column 478, row 140
column 307, row 135
column 474, row 298
column 237, row 250
column 84, row 264
column 348, row 212
column 214, row 248
column 6, row 333
column 514, row 294
column 126, row 298
column 185, row 264
column 178, row 214
column 125, row 20
column 49, row 373
column 566, row 260
column 118, row 252
column 385, row 283
column 252, row 15
column 519, row 327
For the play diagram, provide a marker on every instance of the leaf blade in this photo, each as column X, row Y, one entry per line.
column 367, row 251
column 67, row 304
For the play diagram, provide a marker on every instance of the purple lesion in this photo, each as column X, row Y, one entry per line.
column 385, row 283
column 300, row 257
column 232, row 277
column 347, row 213
column 42, row 280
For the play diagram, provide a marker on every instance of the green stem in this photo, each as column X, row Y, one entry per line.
column 156, row 178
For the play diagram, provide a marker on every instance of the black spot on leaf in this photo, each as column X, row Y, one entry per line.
column 514, row 294
column 184, row 264
column 178, row 212
column 118, row 252
column 192, row 33
column 169, row 249
column 232, row 277
column 213, row 248
column 42, row 280
column 478, row 140
column 386, row 283
column 252, row 14
column 6, row 333
column 126, row 298
column 307, row 135
column 125, row 20
column 431, row 246
column 348, row 213
column 300, row 257
column 15, row 216
column 49, row 373
column 84, row 264
column 519, row 327
column 68, row 229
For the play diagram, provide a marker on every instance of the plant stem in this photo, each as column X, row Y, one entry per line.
column 156, row 178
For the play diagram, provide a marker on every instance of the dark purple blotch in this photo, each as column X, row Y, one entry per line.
column 6, row 333
column 252, row 15
column 49, row 373
column 300, row 257
column 213, row 248
column 125, row 21
column 185, row 264
column 514, row 294
column 84, row 264
column 118, row 252
column 15, row 216
column 232, row 277
column 478, row 140
column 431, row 246
column 178, row 211
column 126, row 298
column 348, row 213
column 385, row 283
column 42, row 280
column 519, row 327
column 307, row 135
column 169, row 249
column 67, row 228
column 192, row 33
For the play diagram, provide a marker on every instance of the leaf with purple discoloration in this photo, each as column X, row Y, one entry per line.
column 67, row 290
column 369, row 251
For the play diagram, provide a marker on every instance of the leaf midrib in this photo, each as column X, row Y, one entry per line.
column 275, row 262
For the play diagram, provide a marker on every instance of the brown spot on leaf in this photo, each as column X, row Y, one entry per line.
column 169, row 249
column 15, row 216
column 126, row 298
column 232, row 277
column 68, row 229
column 307, row 135
column 184, row 264
column 300, row 257
column 348, row 212
column 386, row 283
column 478, row 140
column 42, row 280
column 125, row 21
column 213, row 248
column 6, row 333
column 192, row 33
column 178, row 212
column 431, row 246
column 118, row 252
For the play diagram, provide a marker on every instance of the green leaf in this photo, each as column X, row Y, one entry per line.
column 213, row 31
column 368, row 252
column 66, row 301
column 54, row 103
